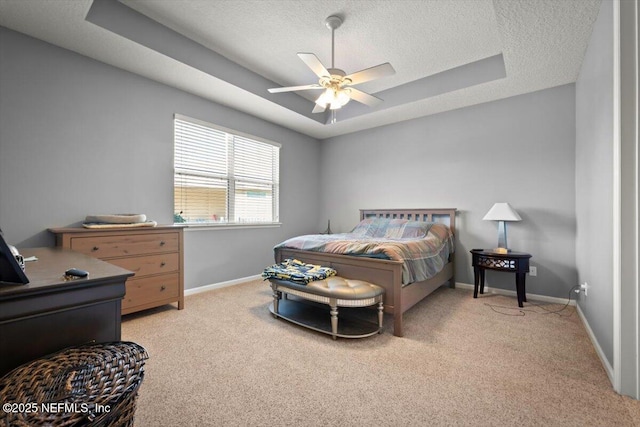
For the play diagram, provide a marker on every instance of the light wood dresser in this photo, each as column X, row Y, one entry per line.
column 154, row 254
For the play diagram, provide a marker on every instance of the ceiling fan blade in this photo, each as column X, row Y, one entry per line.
column 293, row 88
column 372, row 73
column 314, row 63
column 318, row 109
column 364, row 98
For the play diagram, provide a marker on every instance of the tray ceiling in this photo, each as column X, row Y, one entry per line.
column 447, row 54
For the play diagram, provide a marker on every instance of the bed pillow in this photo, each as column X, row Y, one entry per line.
column 391, row 228
column 405, row 229
column 415, row 229
column 371, row 227
column 395, row 228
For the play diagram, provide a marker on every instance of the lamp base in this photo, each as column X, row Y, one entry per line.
column 502, row 239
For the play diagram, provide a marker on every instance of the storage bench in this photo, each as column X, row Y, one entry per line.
column 335, row 292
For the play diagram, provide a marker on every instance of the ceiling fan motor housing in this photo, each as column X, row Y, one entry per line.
column 335, row 80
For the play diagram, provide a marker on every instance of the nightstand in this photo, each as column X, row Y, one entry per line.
column 512, row 262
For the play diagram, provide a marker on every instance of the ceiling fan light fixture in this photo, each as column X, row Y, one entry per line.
column 335, row 99
column 334, row 106
column 325, row 98
column 341, row 98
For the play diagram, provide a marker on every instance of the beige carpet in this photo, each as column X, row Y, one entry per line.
column 225, row 361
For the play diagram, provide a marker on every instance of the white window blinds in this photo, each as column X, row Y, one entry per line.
column 221, row 176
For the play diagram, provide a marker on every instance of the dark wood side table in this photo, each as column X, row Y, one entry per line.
column 51, row 313
column 513, row 262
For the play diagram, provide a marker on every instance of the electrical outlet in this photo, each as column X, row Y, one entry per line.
column 533, row 271
column 584, row 287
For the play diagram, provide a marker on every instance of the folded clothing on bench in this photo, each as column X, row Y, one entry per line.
column 297, row 271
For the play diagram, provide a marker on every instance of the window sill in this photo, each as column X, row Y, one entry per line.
column 205, row 227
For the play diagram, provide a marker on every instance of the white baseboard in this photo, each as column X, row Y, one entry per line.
column 488, row 290
column 605, row 363
column 213, row 286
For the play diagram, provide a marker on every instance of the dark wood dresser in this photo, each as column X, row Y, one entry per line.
column 51, row 313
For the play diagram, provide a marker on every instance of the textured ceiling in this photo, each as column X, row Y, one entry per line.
column 454, row 32
column 447, row 53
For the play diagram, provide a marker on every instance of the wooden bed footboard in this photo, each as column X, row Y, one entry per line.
column 385, row 273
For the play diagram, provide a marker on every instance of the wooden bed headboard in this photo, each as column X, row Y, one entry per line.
column 446, row 215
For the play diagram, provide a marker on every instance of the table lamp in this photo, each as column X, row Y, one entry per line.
column 502, row 212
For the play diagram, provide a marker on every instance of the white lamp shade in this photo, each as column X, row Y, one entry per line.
column 335, row 99
column 502, row 212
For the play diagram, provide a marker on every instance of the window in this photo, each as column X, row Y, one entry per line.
column 222, row 176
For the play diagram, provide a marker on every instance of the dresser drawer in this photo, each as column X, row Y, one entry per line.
column 151, row 289
column 150, row 264
column 104, row 247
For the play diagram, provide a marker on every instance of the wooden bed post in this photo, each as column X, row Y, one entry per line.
column 397, row 300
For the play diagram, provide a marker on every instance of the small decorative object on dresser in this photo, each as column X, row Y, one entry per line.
column 154, row 254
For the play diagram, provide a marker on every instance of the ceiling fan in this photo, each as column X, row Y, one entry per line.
column 337, row 85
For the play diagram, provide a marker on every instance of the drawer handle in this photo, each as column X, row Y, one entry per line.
column 95, row 248
column 163, row 287
column 162, row 264
column 161, row 242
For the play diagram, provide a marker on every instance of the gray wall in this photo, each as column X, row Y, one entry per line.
column 518, row 150
column 71, row 126
column 594, row 179
column 80, row 137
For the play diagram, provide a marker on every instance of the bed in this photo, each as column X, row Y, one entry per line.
column 388, row 273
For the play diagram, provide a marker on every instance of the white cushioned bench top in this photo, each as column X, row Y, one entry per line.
column 336, row 287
